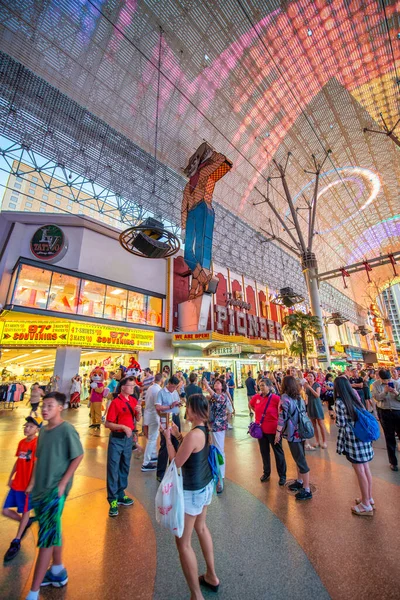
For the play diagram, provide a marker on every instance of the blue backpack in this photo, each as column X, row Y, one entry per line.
column 366, row 428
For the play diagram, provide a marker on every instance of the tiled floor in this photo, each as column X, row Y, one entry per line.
column 267, row 546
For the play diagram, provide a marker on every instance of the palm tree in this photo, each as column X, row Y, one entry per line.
column 304, row 325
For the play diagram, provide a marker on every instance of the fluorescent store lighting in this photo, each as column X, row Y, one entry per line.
column 28, row 280
column 116, row 292
column 16, row 358
column 36, row 351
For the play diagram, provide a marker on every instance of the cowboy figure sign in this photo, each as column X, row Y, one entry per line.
column 204, row 169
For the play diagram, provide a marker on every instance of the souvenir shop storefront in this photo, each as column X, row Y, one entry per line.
column 75, row 301
column 238, row 328
column 208, row 352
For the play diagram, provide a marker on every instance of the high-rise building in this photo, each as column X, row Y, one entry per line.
column 391, row 299
column 39, row 192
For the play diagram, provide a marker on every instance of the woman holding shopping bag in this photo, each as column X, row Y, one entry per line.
column 220, row 407
column 198, row 486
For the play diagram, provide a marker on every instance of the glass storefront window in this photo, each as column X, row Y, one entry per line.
column 154, row 311
column 32, row 287
column 91, row 301
column 115, row 304
column 49, row 290
column 64, row 293
column 137, row 308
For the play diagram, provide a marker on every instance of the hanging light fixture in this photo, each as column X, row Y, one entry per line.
column 336, row 319
column 287, row 297
column 151, row 239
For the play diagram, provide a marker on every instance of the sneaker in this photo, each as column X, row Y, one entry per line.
column 29, row 523
column 13, row 550
column 55, row 580
column 125, row 501
column 394, row 467
column 113, row 512
column 154, row 459
column 148, row 467
column 282, row 481
column 295, row 486
column 303, row 495
column 230, row 426
column 264, row 478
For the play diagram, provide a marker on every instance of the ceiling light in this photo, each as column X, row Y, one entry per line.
column 309, row 32
column 36, row 351
column 398, row 36
column 206, row 57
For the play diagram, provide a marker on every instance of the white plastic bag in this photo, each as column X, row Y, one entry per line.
column 170, row 509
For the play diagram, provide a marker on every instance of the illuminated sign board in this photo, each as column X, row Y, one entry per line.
column 191, row 337
column 56, row 332
column 251, row 326
column 49, row 243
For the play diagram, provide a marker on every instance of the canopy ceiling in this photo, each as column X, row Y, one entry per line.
column 255, row 79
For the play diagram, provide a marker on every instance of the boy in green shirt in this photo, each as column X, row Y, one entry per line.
column 59, row 452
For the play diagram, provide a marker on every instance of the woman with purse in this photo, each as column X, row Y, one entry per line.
column 266, row 408
column 220, row 406
column 288, row 427
column 198, row 487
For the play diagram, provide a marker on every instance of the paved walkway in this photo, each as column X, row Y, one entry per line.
column 267, row 546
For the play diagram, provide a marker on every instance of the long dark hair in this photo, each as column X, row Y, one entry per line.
column 291, row 387
column 198, row 404
column 343, row 390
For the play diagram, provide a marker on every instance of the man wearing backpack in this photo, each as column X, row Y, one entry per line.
column 386, row 393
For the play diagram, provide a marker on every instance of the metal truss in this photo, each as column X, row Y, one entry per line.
column 84, row 153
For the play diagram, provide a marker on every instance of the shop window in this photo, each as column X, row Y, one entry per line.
column 115, row 303
column 154, row 311
column 91, row 301
column 64, row 293
column 137, row 308
column 32, row 287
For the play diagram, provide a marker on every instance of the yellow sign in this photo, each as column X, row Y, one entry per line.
column 57, row 332
column 338, row 347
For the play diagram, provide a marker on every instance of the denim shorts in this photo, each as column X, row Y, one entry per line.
column 196, row 500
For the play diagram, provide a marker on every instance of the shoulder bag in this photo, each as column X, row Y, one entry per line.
column 255, row 429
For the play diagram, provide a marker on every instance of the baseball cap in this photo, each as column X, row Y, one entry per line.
column 35, row 420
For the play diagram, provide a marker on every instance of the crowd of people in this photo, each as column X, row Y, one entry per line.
column 284, row 405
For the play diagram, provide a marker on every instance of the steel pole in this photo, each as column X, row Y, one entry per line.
column 310, row 272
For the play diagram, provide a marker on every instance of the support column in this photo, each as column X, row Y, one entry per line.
column 310, row 271
column 66, row 366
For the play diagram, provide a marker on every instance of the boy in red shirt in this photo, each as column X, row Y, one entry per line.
column 123, row 412
column 18, row 482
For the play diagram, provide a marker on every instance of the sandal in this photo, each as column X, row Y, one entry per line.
column 361, row 511
column 316, row 446
column 308, row 447
column 210, row 586
column 324, row 445
column 359, row 501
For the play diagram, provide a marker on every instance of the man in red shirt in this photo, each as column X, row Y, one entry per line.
column 124, row 410
column 266, row 409
column 18, row 482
